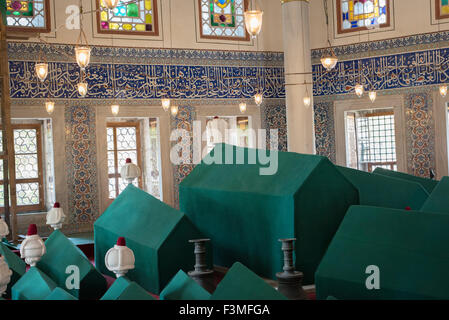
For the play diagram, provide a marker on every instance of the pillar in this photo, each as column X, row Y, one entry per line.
column 297, row 62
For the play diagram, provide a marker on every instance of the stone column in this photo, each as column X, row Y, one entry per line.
column 297, row 61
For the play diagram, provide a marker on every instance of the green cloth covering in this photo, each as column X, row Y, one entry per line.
column 331, row 298
column 60, row 294
column 158, row 235
column 382, row 191
column 438, row 200
column 15, row 264
column 61, row 253
column 411, row 250
column 240, row 283
column 124, row 289
column 245, row 213
column 182, row 287
column 33, row 285
column 426, row 183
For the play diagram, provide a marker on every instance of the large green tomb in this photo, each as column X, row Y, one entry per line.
column 124, row 289
column 157, row 234
column 240, row 283
column 15, row 264
column 426, row 183
column 382, row 191
column 182, row 287
column 245, row 212
column 409, row 249
column 438, row 200
column 60, row 294
column 59, row 261
column 33, row 285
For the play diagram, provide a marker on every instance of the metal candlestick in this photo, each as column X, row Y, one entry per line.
column 203, row 276
column 290, row 281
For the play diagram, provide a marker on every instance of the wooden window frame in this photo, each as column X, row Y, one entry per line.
column 154, row 33
column 340, row 29
column 438, row 15
column 203, row 36
column 39, row 179
column 46, row 29
column 116, row 174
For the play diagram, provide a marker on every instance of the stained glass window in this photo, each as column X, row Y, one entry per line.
column 139, row 17
column 123, row 142
column 356, row 15
column 442, row 9
column 223, row 19
column 28, row 15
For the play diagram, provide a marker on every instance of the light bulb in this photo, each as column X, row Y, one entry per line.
column 329, row 62
column 82, row 56
column 166, row 104
column 359, row 90
column 41, row 70
column 115, row 108
column 82, row 89
column 110, row 4
column 443, row 90
column 174, row 110
column 50, row 106
column 307, row 100
column 242, row 107
column 253, row 22
column 372, row 96
column 258, row 99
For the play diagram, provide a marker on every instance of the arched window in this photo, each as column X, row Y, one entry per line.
column 223, row 19
column 28, row 15
column 129, row 17
column 356, row 15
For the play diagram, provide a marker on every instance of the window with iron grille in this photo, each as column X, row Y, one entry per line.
column 29, row 168
column 123, row 142
column 375, row 139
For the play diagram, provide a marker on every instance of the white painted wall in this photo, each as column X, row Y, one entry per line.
column 179, row 15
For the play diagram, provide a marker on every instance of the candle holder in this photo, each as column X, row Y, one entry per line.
column 290, row 280
column 203, row 276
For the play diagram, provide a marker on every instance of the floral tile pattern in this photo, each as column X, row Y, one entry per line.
column 324, row 130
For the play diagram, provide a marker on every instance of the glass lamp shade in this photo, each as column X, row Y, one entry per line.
column 253, row 22
column 41, row 70
column 165, row 104
column 258, row 99
column 443, row 91
column 82, row 56
column 110, row 4
column 307, row 101
column 242, row 107
column 359, row 90
column 329, row 62
column 50, row 106
column 82, row 89
column 115, row 108
column 372, row 96
column 174, row 110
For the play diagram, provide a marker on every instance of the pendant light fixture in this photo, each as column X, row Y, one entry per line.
column 307, row 100
column 82, row 50
column 443, row 90
column 372, row 96
column 253, row 21
column 82, row 86
column 166, row 104
column 329, row 59
column 49, row 106
column 110, row 4
column 41, row 70
column 115, row 109
column 359, row 90
column 242, row 107
column 174, row 110
column 258, row 99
